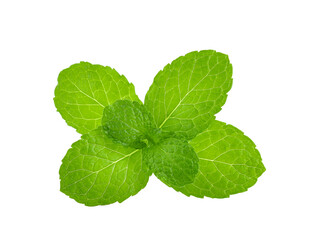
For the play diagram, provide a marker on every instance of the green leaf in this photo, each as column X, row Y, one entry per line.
column 128, row 123
column 188, row 92
column 83, row 91
column 173, row 161
column 96, row 171
column 229, row 163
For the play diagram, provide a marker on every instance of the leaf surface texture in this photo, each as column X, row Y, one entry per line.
column 229, row 163
column 187, row 93
column 173, row 161
column 128, row 122
column 96, row 171
column 84, row 90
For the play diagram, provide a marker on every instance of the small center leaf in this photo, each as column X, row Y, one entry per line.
column 173, row 161
column 128, row 123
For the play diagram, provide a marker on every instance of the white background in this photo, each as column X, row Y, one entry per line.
column 270, row 46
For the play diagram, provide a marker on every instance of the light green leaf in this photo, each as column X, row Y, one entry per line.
column 128, row 122
column 173, row 161
column 229, row 163
column 187, row 93
column 96, row 171
column 83, row 91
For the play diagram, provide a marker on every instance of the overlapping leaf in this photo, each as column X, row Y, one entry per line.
column 97, row 171
column 173, row 161
column 229, row 163
column 187, row 93
column 83, row 91
column 128, row 122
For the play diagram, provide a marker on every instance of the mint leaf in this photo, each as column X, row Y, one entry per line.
column 229, row 163
column 173, row 135
column 83, row 91
column 173, row 161
column 96, row 171
column 187, row 93
column 128, row 123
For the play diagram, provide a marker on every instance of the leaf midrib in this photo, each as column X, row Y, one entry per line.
column 97, row 172
column 161, row 125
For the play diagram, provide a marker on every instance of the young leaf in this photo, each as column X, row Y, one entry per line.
column 229, row 163
column 128, row 123
column 188, row 92
column 83, row 91
column 96, row 171
column 173, row 161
